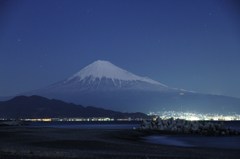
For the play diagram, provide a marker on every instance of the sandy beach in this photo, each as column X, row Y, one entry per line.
column 49, row 143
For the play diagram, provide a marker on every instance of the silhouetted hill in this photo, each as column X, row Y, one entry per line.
column 40, row 107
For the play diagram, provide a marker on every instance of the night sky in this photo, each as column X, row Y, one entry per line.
column 192, row 44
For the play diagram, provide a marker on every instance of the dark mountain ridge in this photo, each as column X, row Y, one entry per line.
column 40, row 107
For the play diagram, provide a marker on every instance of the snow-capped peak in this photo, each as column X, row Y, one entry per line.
column 100, row 69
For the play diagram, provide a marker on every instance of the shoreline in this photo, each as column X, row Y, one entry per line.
column 48, row 143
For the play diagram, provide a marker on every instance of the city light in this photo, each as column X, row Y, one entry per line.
column 195, row 116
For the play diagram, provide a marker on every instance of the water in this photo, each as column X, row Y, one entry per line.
column 166, row 140
column 89, row 125
column 225, row 142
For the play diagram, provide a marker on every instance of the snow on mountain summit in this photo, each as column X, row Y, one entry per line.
column 105, row 69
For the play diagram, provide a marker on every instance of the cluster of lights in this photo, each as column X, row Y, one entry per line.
column 40, row 119
column 163, row 114
column 67, row 119
column 195, row 116
column 81, row 119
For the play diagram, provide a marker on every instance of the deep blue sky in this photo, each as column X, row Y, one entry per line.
column 192, row 44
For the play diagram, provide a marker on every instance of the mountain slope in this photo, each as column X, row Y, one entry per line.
column 40, row 107
column 108, row 86
column 103, row 75
column 104, row 69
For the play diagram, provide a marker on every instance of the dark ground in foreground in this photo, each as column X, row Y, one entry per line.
column 51, row 143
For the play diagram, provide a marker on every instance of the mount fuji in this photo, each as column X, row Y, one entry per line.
column 105, row 85
column 104, row 76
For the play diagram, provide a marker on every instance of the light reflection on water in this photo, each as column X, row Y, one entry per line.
column 166, row 140
column 226, row 142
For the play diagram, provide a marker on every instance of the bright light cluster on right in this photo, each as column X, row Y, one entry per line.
column 192, row 116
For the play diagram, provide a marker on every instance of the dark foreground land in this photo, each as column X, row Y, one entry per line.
column 53, row 143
